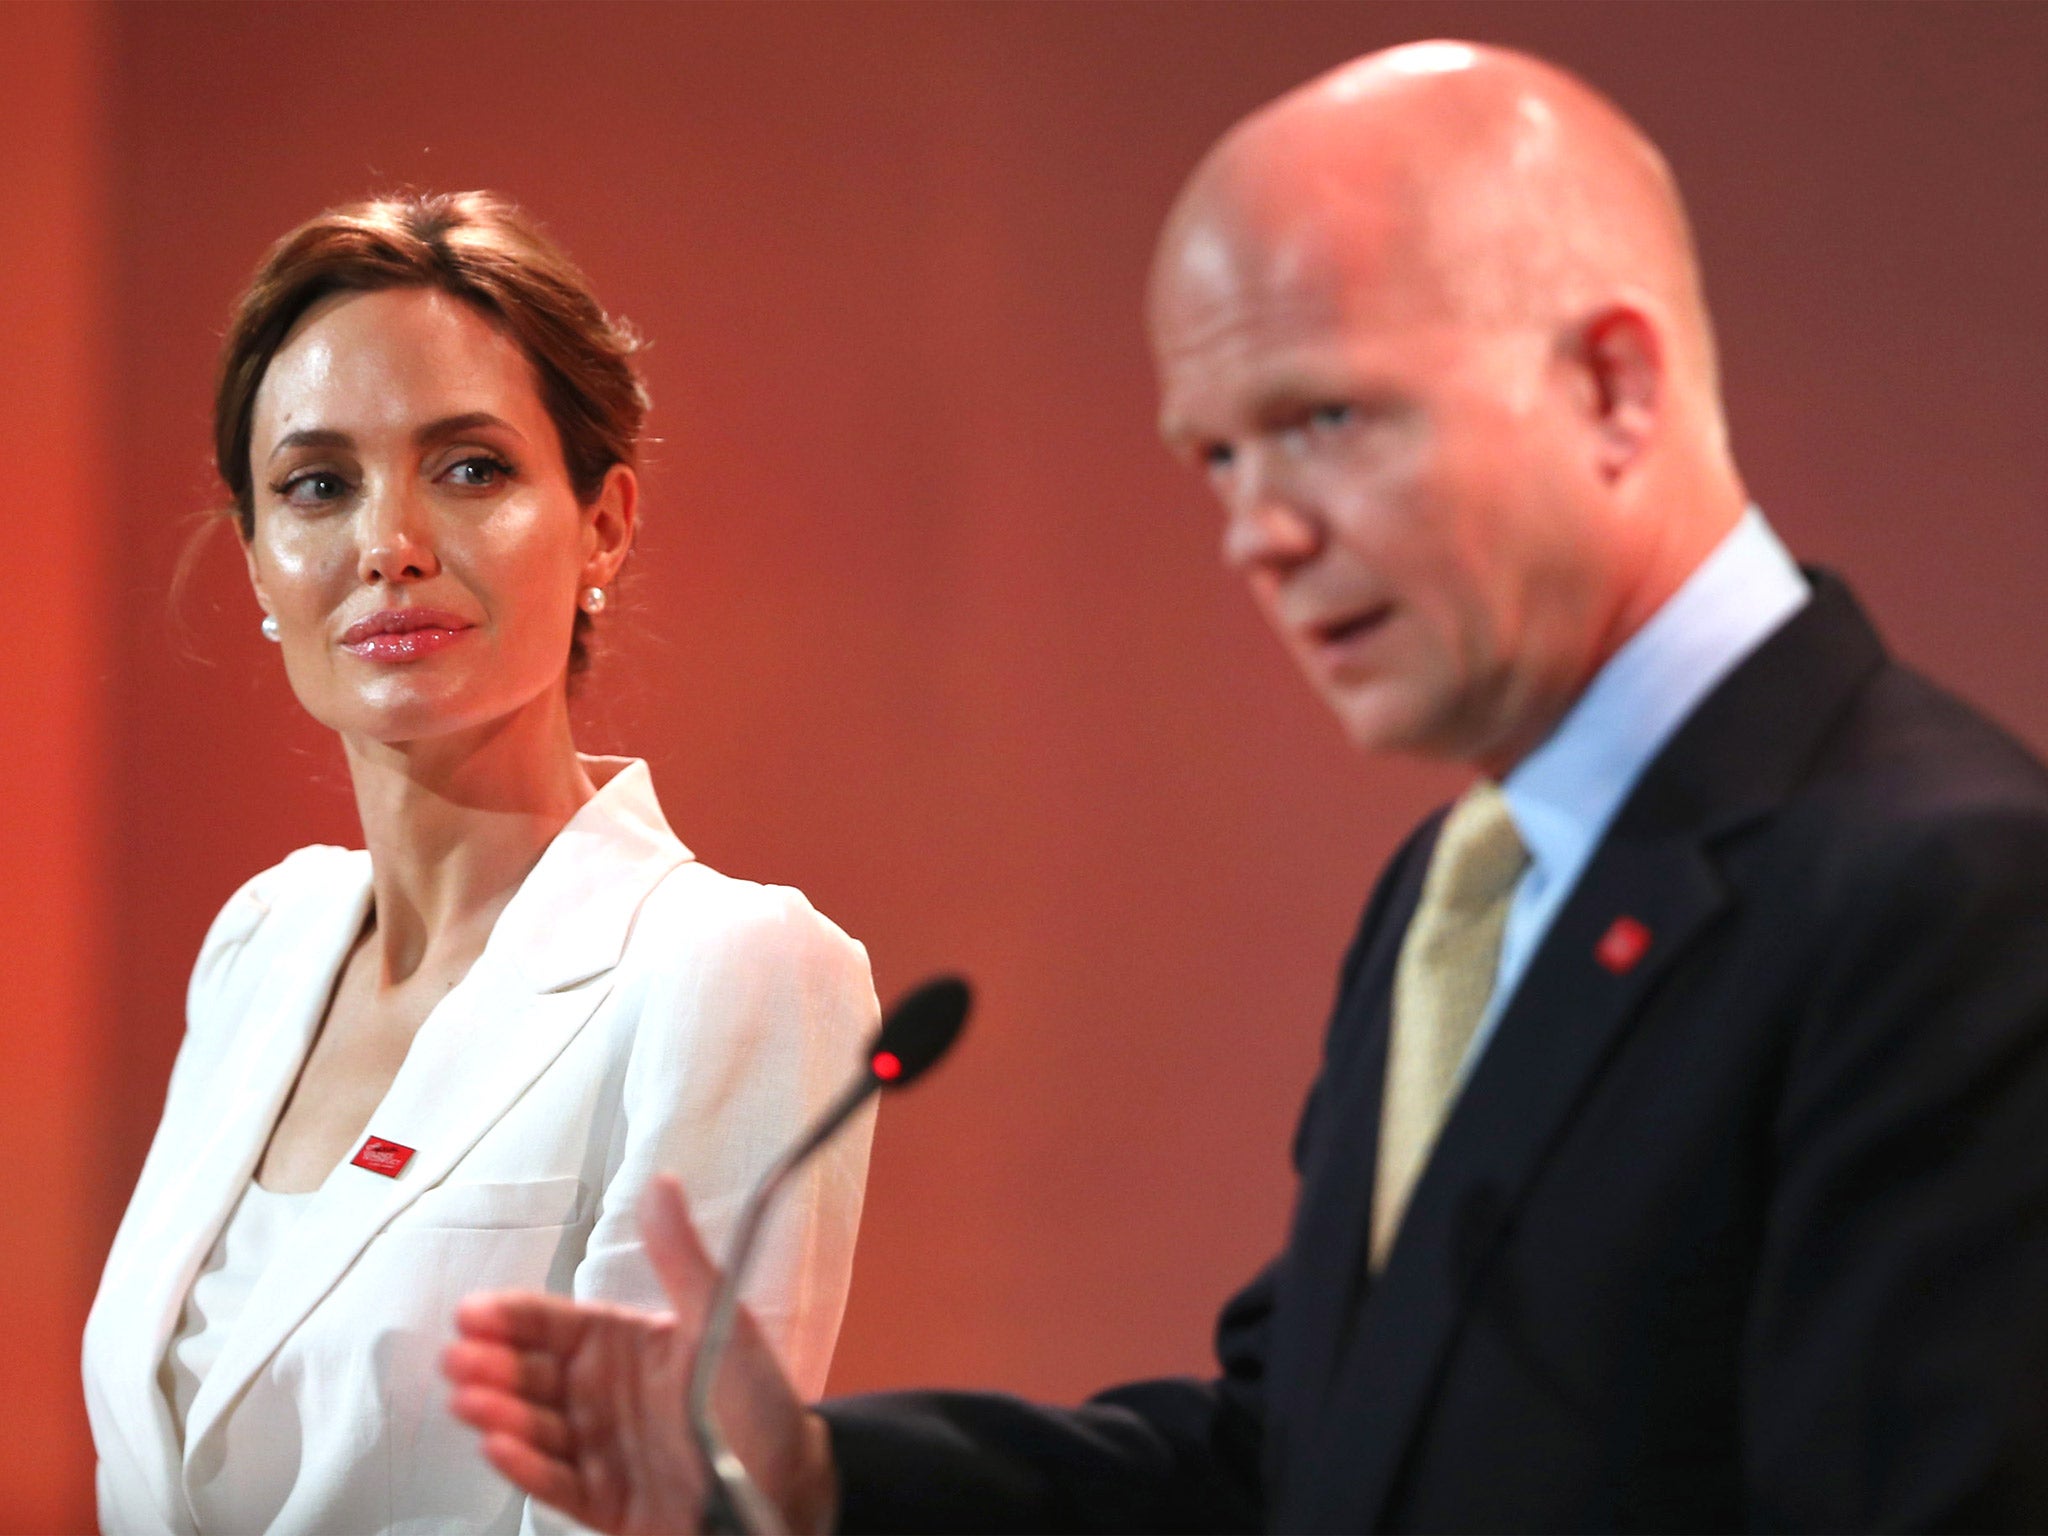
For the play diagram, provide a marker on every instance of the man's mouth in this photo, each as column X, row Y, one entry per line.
column 1334, row 634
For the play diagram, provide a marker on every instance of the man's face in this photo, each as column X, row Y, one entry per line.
column 1402, row 490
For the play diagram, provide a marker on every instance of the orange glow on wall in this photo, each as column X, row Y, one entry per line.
column 923, row 619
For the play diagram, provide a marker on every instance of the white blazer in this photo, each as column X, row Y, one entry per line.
column 632, row 1012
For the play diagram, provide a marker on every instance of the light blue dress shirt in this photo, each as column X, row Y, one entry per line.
column 1563, row 795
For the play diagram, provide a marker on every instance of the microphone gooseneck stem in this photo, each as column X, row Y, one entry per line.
column 735, row 1504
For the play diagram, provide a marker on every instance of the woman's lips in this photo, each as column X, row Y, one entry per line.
column 403, row 634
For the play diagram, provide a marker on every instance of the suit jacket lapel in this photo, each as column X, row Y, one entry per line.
column 1733, row 760
column 1324, row 1271
column 544, row 972
column 1564, row 1022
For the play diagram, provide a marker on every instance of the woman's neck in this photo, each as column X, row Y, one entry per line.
column 454, row 823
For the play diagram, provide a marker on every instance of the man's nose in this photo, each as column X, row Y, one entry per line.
column 1266, row 524
column 395, row 543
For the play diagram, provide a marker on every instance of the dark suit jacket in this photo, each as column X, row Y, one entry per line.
column 1753, row 1233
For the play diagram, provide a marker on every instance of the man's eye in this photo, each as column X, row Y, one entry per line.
column 1218, row 456
column 479, row 471
column 1327, row 416
column 313, row 488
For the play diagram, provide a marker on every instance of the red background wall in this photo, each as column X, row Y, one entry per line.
column 923, row 620
column 56, row 888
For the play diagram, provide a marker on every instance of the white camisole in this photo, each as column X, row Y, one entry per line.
column 261, row 1222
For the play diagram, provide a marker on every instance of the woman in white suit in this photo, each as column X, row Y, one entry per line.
column 450, row 1062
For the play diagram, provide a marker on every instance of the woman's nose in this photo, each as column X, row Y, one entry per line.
column 395, row 543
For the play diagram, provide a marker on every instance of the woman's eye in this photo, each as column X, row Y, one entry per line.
column 479, row 471
column 1327, row 416
column 312, row 489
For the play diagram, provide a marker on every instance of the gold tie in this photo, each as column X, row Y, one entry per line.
column 1441, row 985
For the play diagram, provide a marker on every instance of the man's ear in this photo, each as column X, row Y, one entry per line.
column 611, row 523
column 1622, row 356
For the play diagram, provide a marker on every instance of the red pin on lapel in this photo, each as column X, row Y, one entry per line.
column 381, row 1156
column 1624, row 943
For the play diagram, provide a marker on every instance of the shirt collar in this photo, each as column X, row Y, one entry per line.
column 1563, row 795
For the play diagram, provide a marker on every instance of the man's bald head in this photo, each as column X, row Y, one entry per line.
column 1479, row 180
column 1432, row 324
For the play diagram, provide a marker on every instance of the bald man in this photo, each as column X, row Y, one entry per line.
column 1679, row 1157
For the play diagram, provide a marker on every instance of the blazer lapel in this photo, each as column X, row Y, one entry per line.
column 1735, row 759
column 544, row 972
column 204, row 1176
column 473, row 1057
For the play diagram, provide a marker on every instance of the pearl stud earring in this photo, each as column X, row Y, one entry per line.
column 269, row 628
column 593, row 600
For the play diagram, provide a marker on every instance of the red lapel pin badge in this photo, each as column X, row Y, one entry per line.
column 381, row 1156
column 1624, row 943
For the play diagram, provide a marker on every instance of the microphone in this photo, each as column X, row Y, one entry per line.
column 917, row 1032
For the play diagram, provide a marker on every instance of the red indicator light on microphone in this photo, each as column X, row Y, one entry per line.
column 885, row 1066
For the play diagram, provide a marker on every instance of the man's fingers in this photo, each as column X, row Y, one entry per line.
column 678, row 1256
column 500, row 1413
column 532, row 1374
column 546, row 1477
column 523, row 1319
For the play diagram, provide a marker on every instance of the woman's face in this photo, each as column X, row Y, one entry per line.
column 416, row 536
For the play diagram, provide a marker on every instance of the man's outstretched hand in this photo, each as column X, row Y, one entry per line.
column 585, row 1406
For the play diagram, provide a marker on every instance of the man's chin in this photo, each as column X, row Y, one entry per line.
column 1379, row 725
column 1387, row 725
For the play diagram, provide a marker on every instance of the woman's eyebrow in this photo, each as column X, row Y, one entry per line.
column 455, row 426
column 311, row 437
column 433, row 432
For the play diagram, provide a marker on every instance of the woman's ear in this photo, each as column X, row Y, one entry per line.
column 611, row 522
column 255, row 576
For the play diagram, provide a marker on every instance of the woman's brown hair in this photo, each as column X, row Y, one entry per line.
column 482, row 249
